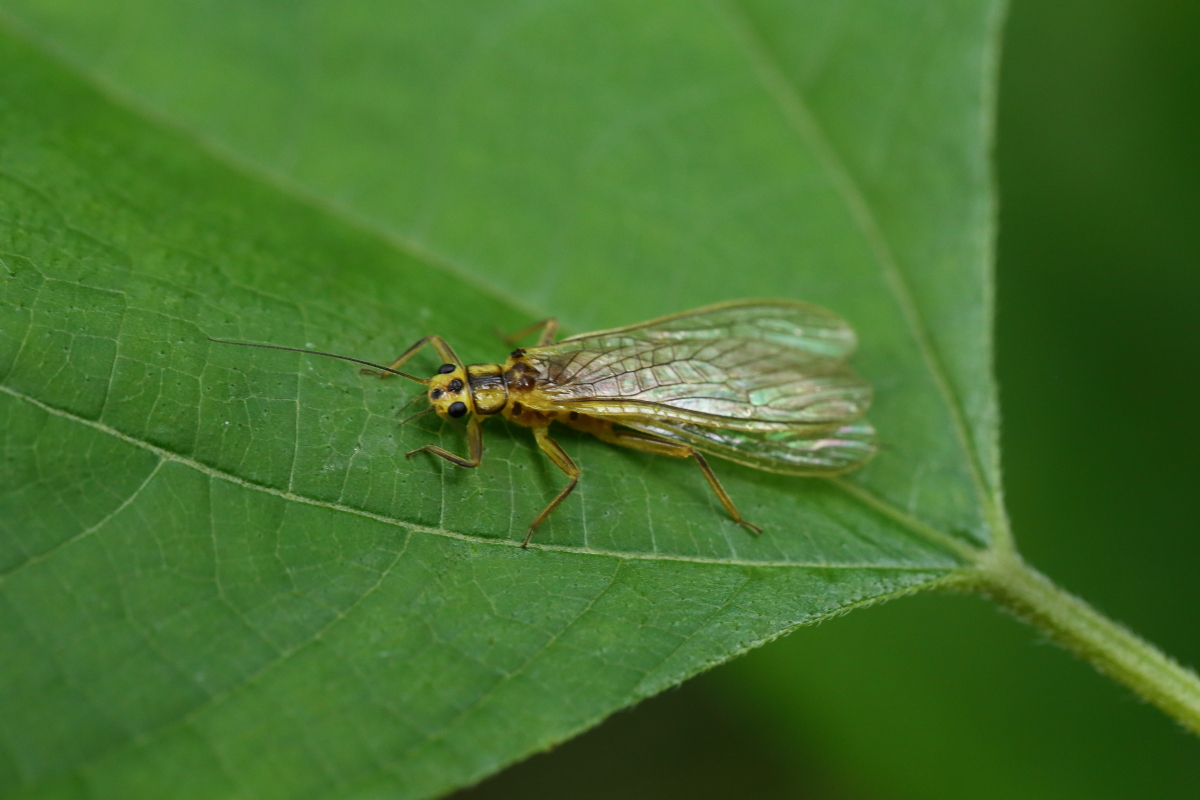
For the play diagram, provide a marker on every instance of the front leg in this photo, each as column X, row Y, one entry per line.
column 474, row 448
column 444, row 350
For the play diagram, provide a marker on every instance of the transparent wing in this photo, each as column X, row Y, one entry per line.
column 835, row 451
column 751, row 365
column 789, row 324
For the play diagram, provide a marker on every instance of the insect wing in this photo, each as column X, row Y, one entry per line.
column 789, row 324
column 749, row 365
column 792, row 453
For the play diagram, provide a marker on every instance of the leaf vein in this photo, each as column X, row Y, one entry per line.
column 802, row 119
column 86, row 532
column 951, row 563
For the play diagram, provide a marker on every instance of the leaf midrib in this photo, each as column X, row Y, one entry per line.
column 165, row 455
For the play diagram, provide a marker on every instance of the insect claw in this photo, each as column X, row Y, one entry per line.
column 750, row 526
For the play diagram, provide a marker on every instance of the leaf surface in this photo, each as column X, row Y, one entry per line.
column 219, row 576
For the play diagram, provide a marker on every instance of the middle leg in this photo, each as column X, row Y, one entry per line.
column 547, row 326
column 563, row 461
column 474, row 447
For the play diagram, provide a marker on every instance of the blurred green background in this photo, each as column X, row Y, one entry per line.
column 1099, row 343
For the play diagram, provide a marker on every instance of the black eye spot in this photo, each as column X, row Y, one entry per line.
column 518, row 353
column 456, row 410
column 446, row 369
column 436, row 394
column 455, row 386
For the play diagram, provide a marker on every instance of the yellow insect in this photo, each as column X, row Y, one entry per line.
column 760, row 382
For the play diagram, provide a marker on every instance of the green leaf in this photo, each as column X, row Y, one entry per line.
column 220, row 577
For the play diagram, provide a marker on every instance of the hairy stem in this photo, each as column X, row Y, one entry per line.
column 1109, row 646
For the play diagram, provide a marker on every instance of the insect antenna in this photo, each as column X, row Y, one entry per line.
column 421, row 381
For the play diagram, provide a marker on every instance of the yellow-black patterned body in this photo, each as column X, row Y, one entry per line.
column 760, row 382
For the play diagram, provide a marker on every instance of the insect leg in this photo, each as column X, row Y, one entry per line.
column 474, row 448
column 563, row 461
column 647, row 444
column 722, row 495
column 444, row 351
column 548, row 326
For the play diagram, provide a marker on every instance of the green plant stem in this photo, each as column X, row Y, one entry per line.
column 1109, row 646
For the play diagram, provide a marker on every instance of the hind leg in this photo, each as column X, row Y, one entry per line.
column 649, row 444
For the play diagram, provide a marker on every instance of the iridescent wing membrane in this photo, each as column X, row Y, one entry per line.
column 763, row 383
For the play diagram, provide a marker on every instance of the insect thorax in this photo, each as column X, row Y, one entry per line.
column 521, row 376
column 488, row 390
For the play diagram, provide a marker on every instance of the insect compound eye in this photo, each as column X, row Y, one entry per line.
column 455, row 386
column 456, row 410
column 445, row 369
column 436, row 394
